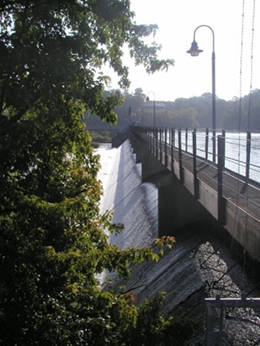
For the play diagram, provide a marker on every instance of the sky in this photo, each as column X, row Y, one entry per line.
column 192, row 76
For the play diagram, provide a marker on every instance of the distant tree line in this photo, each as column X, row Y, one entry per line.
column 195, row 112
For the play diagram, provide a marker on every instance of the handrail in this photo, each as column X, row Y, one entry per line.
column 169, row 145
column 241, row 152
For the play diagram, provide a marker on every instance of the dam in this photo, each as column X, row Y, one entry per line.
column 199, row 267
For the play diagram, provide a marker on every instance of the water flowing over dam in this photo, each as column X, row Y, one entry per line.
column 199, row 266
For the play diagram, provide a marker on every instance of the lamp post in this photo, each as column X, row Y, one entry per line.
column 147, row 99
column 194, row 51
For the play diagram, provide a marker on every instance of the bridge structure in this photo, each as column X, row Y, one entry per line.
column 191, row 186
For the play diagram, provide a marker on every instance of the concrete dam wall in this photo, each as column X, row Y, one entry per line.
column 199, row 266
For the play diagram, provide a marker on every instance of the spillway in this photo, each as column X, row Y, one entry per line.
column 134, row 204
column 200, row 264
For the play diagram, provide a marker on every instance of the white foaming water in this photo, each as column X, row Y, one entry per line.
column 134, row 204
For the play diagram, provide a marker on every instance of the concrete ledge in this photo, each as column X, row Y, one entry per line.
column 244, row 228
column 119, row 139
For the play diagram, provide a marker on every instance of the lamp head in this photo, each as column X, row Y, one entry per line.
column 147, row 99
column 194, row 49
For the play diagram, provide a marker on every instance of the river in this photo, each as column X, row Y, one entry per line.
column 235, row 149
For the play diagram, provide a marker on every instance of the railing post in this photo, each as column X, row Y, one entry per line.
column 154, row 139
column 248, row 152
column 172, row 147
column 210, row 319
column 194, row 145
column 161, row 144
column 158, row 142
column 224, row 135
column 165, row 148
column 180, row 157
column 186, row 139
column 221, row 156
column 149, row 138
column 207, row 143
column 215, row 309
column 156, row 134
column 153, row 130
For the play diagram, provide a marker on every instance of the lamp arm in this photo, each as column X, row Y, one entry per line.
column 213, row 34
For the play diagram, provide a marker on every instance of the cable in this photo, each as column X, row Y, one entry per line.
column 241, row 64
column 252, row 66
column 240, row 111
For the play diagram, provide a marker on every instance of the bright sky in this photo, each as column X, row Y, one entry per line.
column 192, row 76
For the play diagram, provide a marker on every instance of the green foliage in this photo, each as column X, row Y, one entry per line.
column 97, row 138
column 53, row 240
column 194, row 112
column 53, row 48
column 152, row 329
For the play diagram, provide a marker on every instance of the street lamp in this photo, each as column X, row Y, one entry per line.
column 147, row 99
column 194, row 51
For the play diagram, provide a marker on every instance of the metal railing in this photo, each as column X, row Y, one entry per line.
column 229, row 321
column 232, row 321
column 241, row 149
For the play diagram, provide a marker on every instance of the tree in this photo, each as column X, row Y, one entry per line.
column 53, row 240
column 186, row 118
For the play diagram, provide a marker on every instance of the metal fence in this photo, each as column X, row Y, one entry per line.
column 233, row 322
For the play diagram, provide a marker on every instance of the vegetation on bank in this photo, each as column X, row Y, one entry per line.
column 97, row 138
column 195, row 112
